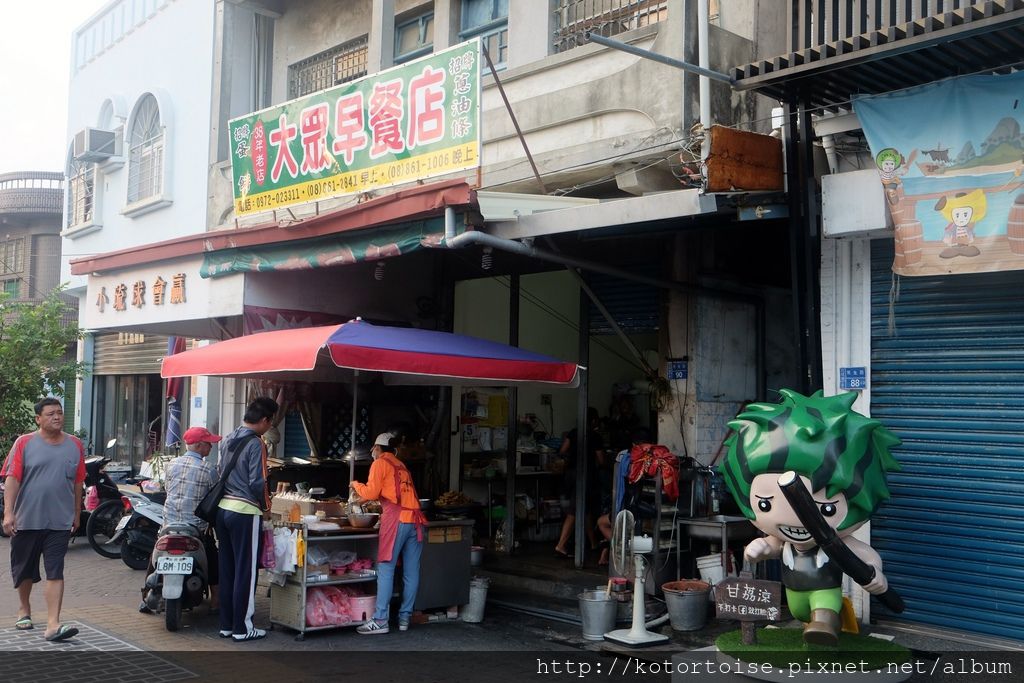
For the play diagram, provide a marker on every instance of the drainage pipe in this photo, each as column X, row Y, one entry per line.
column 704, row 61
column 483, row 239
column 452, row 240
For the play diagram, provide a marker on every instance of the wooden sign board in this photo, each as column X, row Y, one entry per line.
column 741, row 160
column 747, row 599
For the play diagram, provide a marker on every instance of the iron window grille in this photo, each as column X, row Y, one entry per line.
column 573, row 18
column 146, row 153
column 414, row 38
column 487, row 19
column 81, row 193
column 340, row 64
column 12, row 255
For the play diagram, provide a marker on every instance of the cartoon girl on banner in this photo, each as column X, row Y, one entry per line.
column 961, row 212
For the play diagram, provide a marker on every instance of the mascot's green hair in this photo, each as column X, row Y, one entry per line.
column 820, row 438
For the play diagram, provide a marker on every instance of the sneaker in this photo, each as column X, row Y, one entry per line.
column 225, row 634
column 403, row 624
column 144, row 608
column 254, row 634
column 372, row 627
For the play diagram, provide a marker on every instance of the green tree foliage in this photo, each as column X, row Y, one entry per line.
column 37, row 359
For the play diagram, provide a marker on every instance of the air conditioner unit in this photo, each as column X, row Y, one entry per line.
column 93, row 144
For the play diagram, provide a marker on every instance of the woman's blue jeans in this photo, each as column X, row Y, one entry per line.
column 409, row 549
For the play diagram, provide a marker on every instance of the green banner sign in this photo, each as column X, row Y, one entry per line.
column 415, row 121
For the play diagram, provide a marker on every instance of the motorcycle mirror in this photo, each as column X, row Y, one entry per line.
column 111, row 444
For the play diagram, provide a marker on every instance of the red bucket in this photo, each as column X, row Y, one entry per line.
column 361, row 608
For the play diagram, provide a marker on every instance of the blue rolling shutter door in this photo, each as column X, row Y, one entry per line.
column 295, row 435
column 635, row 307
column 950, row 383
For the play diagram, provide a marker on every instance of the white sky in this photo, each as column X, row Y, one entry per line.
column 35, row 63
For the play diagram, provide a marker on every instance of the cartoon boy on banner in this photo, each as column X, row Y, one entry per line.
column 959, row 206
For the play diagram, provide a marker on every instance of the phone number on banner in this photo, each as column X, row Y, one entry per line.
column 458, row 158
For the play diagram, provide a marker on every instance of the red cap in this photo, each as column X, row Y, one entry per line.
column 200, row 434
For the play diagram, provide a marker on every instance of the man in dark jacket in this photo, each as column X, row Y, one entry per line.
column 238, row 519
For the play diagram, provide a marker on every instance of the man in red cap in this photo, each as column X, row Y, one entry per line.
column 188, row 479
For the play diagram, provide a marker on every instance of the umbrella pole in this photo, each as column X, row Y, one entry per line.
column 355, row 414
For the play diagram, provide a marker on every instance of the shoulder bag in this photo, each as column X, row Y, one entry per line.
column 207, row 508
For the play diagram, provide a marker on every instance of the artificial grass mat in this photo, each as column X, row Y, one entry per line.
column 782, row 647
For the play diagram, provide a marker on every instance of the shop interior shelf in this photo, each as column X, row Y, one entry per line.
column 310, row 538
column 335, row 582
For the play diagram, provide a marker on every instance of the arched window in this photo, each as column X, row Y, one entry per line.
column 146, row 152
column 81, row 192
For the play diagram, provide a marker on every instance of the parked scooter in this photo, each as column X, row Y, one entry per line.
column 102, row 505
column 137, row 530
column 180, row 576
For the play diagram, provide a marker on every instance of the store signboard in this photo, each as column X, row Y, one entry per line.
column 159, row 293
column 412, row 122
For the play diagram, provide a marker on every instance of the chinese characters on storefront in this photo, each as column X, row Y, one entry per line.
column 412, row 122
column 138, row 294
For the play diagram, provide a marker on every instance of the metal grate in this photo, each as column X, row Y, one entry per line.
column 12, row 256
column 81, row 185
column 573, row 18
column 146, row 155
column 817, row 22
column 340, row 64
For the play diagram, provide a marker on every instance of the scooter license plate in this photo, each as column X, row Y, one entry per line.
column 123, row 522
column 174, row 565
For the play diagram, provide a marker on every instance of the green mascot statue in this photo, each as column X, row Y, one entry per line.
column 809, row 471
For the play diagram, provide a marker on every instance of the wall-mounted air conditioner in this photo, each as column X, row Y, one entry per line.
column 93, row 144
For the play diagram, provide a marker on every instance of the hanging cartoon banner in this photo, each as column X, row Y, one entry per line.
column 950, row 156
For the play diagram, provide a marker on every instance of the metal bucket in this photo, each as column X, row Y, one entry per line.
column 473, row 611
column 687, row 603
column 597, row 611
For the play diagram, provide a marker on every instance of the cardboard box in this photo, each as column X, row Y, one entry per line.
column 283, row 507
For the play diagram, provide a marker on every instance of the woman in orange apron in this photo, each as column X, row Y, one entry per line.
column 400, row 535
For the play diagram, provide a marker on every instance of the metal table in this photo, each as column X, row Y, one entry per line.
column 728, row 526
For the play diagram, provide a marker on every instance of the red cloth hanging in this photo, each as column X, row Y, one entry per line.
column 647, row 459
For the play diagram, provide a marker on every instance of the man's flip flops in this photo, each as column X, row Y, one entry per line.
column 62, row 633
column 24, row 624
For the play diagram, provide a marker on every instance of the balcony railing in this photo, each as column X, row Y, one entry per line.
column 31, row 192
column 819, row 22
column 573, row 18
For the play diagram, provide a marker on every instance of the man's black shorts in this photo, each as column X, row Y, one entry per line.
column 28, row 546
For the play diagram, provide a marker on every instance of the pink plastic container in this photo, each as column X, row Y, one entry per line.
column 361, row 608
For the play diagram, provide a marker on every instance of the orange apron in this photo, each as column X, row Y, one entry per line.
column 391, row 514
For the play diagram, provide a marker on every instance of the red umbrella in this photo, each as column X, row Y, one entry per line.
column 403, row 355
column 343, row 352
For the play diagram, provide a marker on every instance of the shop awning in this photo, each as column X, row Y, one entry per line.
column 402, row 355
column 337, row 250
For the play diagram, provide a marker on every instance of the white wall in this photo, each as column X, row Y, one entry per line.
column 169, row 54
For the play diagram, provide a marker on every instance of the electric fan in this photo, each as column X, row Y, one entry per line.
column 624, row 547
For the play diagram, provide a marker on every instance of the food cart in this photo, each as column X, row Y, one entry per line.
column 357, row 352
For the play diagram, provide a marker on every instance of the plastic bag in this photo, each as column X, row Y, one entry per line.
column 341, row 558
column 316, row 555
column 267, row 559
column 326, row 606
column 92, row 498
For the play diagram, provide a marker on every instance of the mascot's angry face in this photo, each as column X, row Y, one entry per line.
column 774, row 516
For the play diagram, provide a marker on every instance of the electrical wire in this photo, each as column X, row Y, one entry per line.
column 504, row 281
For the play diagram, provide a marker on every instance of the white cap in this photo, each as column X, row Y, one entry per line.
column 384, row 439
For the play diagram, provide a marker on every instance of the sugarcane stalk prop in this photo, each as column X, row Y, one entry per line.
column 829, row 541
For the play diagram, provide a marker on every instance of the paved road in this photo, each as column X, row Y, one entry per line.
column 117, row 643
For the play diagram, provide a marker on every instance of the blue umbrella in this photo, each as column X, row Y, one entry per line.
column 174, row 387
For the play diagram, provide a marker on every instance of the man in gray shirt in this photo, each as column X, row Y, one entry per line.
column 43, row 505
